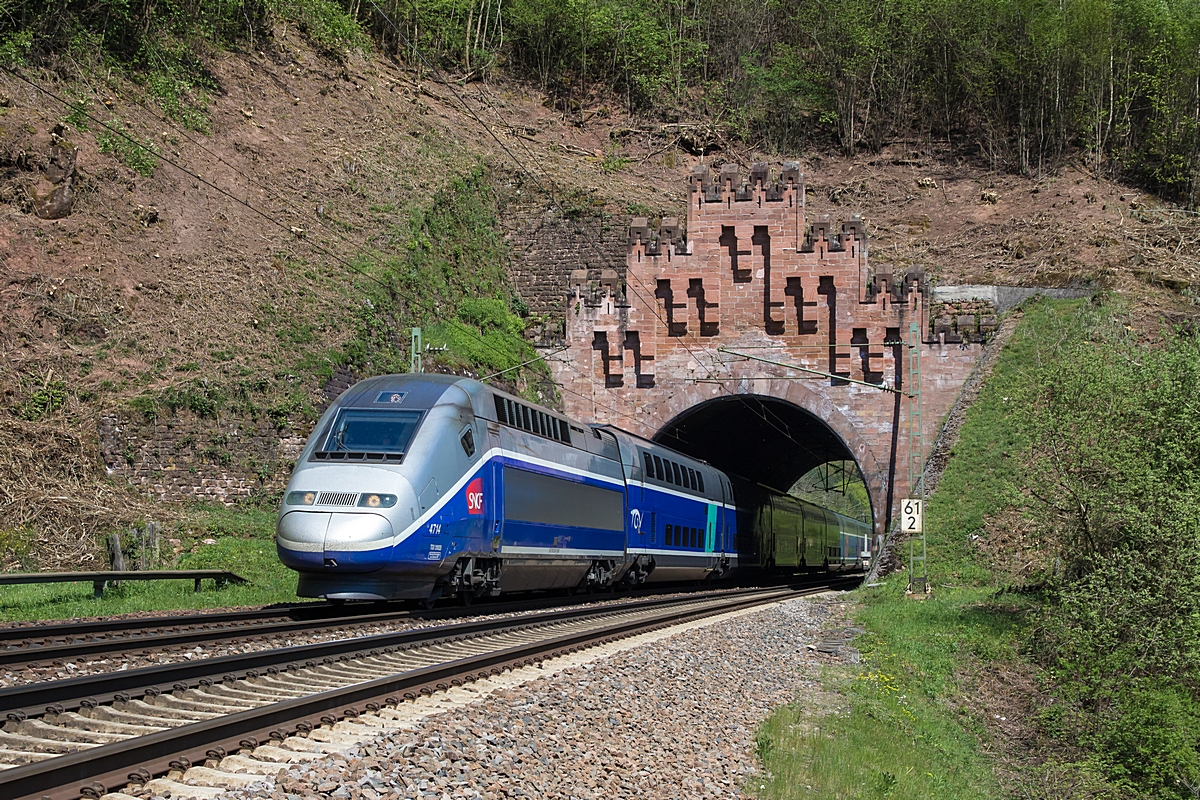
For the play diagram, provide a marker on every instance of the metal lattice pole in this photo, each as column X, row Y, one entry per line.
column 916, row 465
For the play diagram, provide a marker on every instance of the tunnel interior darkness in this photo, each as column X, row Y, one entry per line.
column 764, row 439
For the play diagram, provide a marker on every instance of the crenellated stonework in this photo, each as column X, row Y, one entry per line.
column 750, row 276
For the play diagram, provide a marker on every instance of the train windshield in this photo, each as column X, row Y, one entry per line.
column 363, row 430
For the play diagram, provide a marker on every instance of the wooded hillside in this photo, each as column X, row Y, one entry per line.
column 1023, row 84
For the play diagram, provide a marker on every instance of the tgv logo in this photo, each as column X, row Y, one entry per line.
column 475, row 496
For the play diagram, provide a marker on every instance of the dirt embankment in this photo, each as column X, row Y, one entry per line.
column 231, row 262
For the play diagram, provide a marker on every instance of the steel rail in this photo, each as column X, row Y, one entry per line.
column 63, row 641
column 95, row 770
column 62, row 630
column 71, row 693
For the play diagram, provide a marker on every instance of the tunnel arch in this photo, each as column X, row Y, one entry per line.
column 771, row 431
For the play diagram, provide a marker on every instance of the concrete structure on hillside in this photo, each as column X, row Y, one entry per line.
column 765, row 342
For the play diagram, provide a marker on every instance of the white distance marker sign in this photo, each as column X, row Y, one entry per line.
column 912, row 515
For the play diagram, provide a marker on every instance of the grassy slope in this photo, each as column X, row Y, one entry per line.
column 909, row 732
column 244, row 544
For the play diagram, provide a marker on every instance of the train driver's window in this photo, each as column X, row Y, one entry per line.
column 467, row 440
column 658, row 470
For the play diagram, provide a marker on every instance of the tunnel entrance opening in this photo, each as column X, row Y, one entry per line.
column 773, row 442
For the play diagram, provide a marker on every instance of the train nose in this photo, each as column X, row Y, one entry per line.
column 348, row 541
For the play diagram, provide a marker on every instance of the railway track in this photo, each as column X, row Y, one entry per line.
column 58, row 643
column 92, row 735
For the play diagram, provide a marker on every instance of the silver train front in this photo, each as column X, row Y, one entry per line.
column 363, row 486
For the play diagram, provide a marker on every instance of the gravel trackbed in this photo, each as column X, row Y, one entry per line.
column 663, row 715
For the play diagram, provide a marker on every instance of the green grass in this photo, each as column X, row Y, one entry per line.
column 906, row 734
column 244, row 545
column 902, row 737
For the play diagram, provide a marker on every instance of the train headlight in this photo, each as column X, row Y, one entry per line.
column 372, row 500
column 301, row 498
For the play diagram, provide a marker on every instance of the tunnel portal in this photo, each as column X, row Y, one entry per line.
column 764, row 439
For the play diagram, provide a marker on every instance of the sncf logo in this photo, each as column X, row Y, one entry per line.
column 475, row 496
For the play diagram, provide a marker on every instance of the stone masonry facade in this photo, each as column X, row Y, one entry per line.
column 748, row 277
column 223, row 459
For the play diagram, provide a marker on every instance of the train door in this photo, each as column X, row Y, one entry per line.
column 493, row 476
column 724, row 545
column 472, row 536
column 634, row 493
column 802, row 538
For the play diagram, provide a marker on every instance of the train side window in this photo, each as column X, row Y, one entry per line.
column 649, row 464
column 668, row 535
column 691, row 477
column 678, row 478
column 700, row 480
column 658, row 470
column 694, row 537
column 467, row 440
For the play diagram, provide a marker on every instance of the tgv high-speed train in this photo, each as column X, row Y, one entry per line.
column 415, row 486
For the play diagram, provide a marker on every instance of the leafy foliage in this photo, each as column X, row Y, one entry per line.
column 445, row 269
column 141, row 157
column 326, row 24
column 44, row 401
column 1116, row 486
column 1026, row 81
